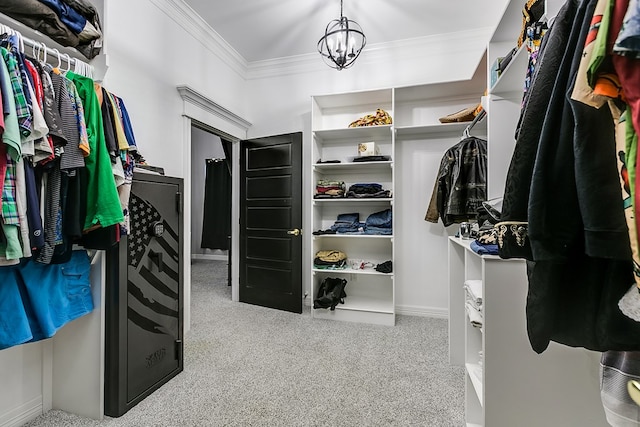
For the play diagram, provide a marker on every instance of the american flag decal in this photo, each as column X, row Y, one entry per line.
column 153, row 284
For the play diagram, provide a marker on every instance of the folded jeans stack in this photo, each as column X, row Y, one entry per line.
column 379, row 223
column 348, row 223
column 367, row 190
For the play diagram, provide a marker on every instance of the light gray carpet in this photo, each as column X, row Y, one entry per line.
column 251, row 366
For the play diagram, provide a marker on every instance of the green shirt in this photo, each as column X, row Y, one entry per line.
column 103, row 204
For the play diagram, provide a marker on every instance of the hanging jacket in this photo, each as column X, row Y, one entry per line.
column 461, row 184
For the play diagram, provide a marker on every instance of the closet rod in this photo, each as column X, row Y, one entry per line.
column 83, row 67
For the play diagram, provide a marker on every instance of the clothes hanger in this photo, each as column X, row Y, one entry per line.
column 467, row 131
column 56, row 69
column 68, row 62
column 44, row 52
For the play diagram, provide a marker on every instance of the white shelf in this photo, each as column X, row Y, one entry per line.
column 473, row 425
column 366, row 271
column 353, row 236
column 369, row 167
column 359, row 303
column 475, row 374
column 349, row 100
column 512, row 78
column 374, row 133
column 349, row 200
column 407, row 132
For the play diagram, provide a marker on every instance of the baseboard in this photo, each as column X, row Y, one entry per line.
column 22, row 414
column 410, row 310
column 210, row 257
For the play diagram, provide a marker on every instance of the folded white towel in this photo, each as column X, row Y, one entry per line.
column 474, row 288
column 475, row 316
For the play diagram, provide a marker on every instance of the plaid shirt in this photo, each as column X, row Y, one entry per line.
column 9, row 205
column 23, row 109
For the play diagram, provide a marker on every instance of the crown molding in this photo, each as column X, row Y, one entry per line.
column 458, row 43
column 419, row 47
column 193, row 23
column 195, row 104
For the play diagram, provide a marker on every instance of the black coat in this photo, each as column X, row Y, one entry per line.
column 576, row 226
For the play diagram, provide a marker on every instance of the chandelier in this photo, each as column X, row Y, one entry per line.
column 342, row 42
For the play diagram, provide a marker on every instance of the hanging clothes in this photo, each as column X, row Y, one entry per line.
column 461, row 184
column 216, row 225
column 563, row 186
column 49, row 164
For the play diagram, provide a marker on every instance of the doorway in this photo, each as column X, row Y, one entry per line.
column 211, row 198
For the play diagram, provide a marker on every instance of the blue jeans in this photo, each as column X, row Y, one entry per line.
column 346, row 222
column 380, row 219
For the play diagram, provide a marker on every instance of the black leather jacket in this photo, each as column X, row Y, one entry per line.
column 461, row 185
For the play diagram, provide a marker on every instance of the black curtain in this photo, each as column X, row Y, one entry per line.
column 216, row 225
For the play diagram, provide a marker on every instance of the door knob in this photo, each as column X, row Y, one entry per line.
column 295, row 232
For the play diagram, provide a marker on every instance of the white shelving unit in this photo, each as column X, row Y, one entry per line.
column 370, row 294
column 415, row 142
column 513, row 385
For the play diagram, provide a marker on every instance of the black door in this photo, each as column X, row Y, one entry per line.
column 271, row 221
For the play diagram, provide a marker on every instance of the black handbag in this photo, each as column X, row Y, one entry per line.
column 330, row 293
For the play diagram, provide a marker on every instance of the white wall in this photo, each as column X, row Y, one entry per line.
column 204, row 145
column 149, row 56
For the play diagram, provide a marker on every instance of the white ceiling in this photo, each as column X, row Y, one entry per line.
column 269, row 29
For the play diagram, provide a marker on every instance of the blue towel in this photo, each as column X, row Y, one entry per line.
column 481, row 249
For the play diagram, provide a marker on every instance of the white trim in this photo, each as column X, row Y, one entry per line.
column 207, row 111
column 186, row 222
column 410, row 310
column 193, row 23
column 210, row 257
column 23, row 413
column 405, row 310
column 458, row 43
column 199, row 108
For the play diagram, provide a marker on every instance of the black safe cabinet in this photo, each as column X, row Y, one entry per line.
column 144, row 297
